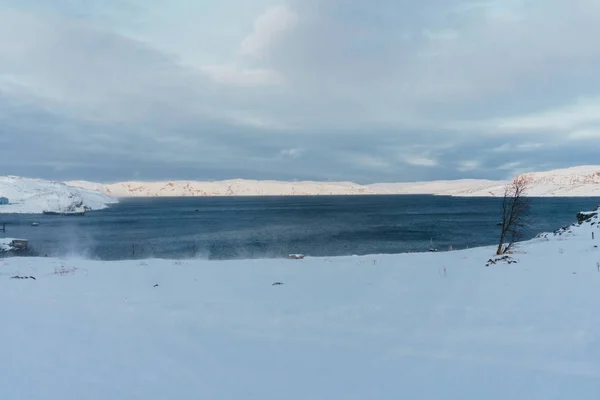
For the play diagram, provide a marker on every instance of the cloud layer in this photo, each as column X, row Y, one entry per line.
column 305, row 89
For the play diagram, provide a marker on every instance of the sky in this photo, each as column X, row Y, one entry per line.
column 328, row 90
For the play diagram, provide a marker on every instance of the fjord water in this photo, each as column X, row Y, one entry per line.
column 266, row 227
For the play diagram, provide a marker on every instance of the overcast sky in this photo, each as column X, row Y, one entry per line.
column 385, row 90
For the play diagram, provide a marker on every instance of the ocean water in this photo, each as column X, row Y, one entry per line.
column 267, row 227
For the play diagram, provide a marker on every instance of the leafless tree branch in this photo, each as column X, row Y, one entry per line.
column 515, row 207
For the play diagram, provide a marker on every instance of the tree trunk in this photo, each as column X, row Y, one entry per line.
column 499, row 251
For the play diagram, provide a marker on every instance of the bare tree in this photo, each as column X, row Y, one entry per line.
column 515, row 207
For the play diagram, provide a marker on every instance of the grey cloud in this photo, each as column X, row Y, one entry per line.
column 354, row 51
column 364, row 87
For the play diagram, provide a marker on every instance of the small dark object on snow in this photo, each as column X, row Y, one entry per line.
column 277, row 284
column 156, row 285
column 506, row 259
column 22, row 277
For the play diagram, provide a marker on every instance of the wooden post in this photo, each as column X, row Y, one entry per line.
column 4, row 227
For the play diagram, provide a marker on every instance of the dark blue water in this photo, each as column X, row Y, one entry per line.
column 265, row 227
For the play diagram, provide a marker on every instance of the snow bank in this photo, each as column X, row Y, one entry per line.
column 570, row 182
column 414, row 326
column 35, row 196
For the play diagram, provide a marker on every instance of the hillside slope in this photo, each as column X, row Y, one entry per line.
column 33, row 196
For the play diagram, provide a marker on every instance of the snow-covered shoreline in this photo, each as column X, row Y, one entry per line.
column 34, row 196
column 428, row 325
column 581, row 181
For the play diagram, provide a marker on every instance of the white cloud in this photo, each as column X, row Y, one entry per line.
column 470, row 165
column 291, row 153
column 585, row 134
column 502, row 148
column 569, row 117
column 345, row 76
column 420, row 161
column 510, row 165
column 268, row 31
column 440, row 35
column 518, row 147
column 529, row 146
column 372, row 162
column 232, row 74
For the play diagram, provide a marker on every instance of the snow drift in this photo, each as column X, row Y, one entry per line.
column 34, row 196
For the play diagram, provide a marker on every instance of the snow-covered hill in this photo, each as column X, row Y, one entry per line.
column 577, row 181
column 236, row 187
column 408, row 326
column 583, row 181
column 33, row 196
column 462, row 187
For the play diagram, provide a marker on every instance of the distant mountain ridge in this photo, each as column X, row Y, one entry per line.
column 569, row 182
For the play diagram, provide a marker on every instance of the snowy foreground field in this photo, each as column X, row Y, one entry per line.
column 376, row 327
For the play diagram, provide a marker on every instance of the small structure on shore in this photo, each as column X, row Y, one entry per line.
column 296, row 256
column 3, row 201
column 65, row 213
column 19, row 244
column 13, row 245
column 431, row 248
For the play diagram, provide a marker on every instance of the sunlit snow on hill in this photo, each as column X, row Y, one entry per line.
column 34, row 196
column 581, row 181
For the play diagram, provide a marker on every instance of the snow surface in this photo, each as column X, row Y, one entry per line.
column 410, row 326
column 570, row 182
column 34, row 196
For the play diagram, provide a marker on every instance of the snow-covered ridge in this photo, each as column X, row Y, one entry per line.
column 236, row 187
column 570, row 182
column 34, row 196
